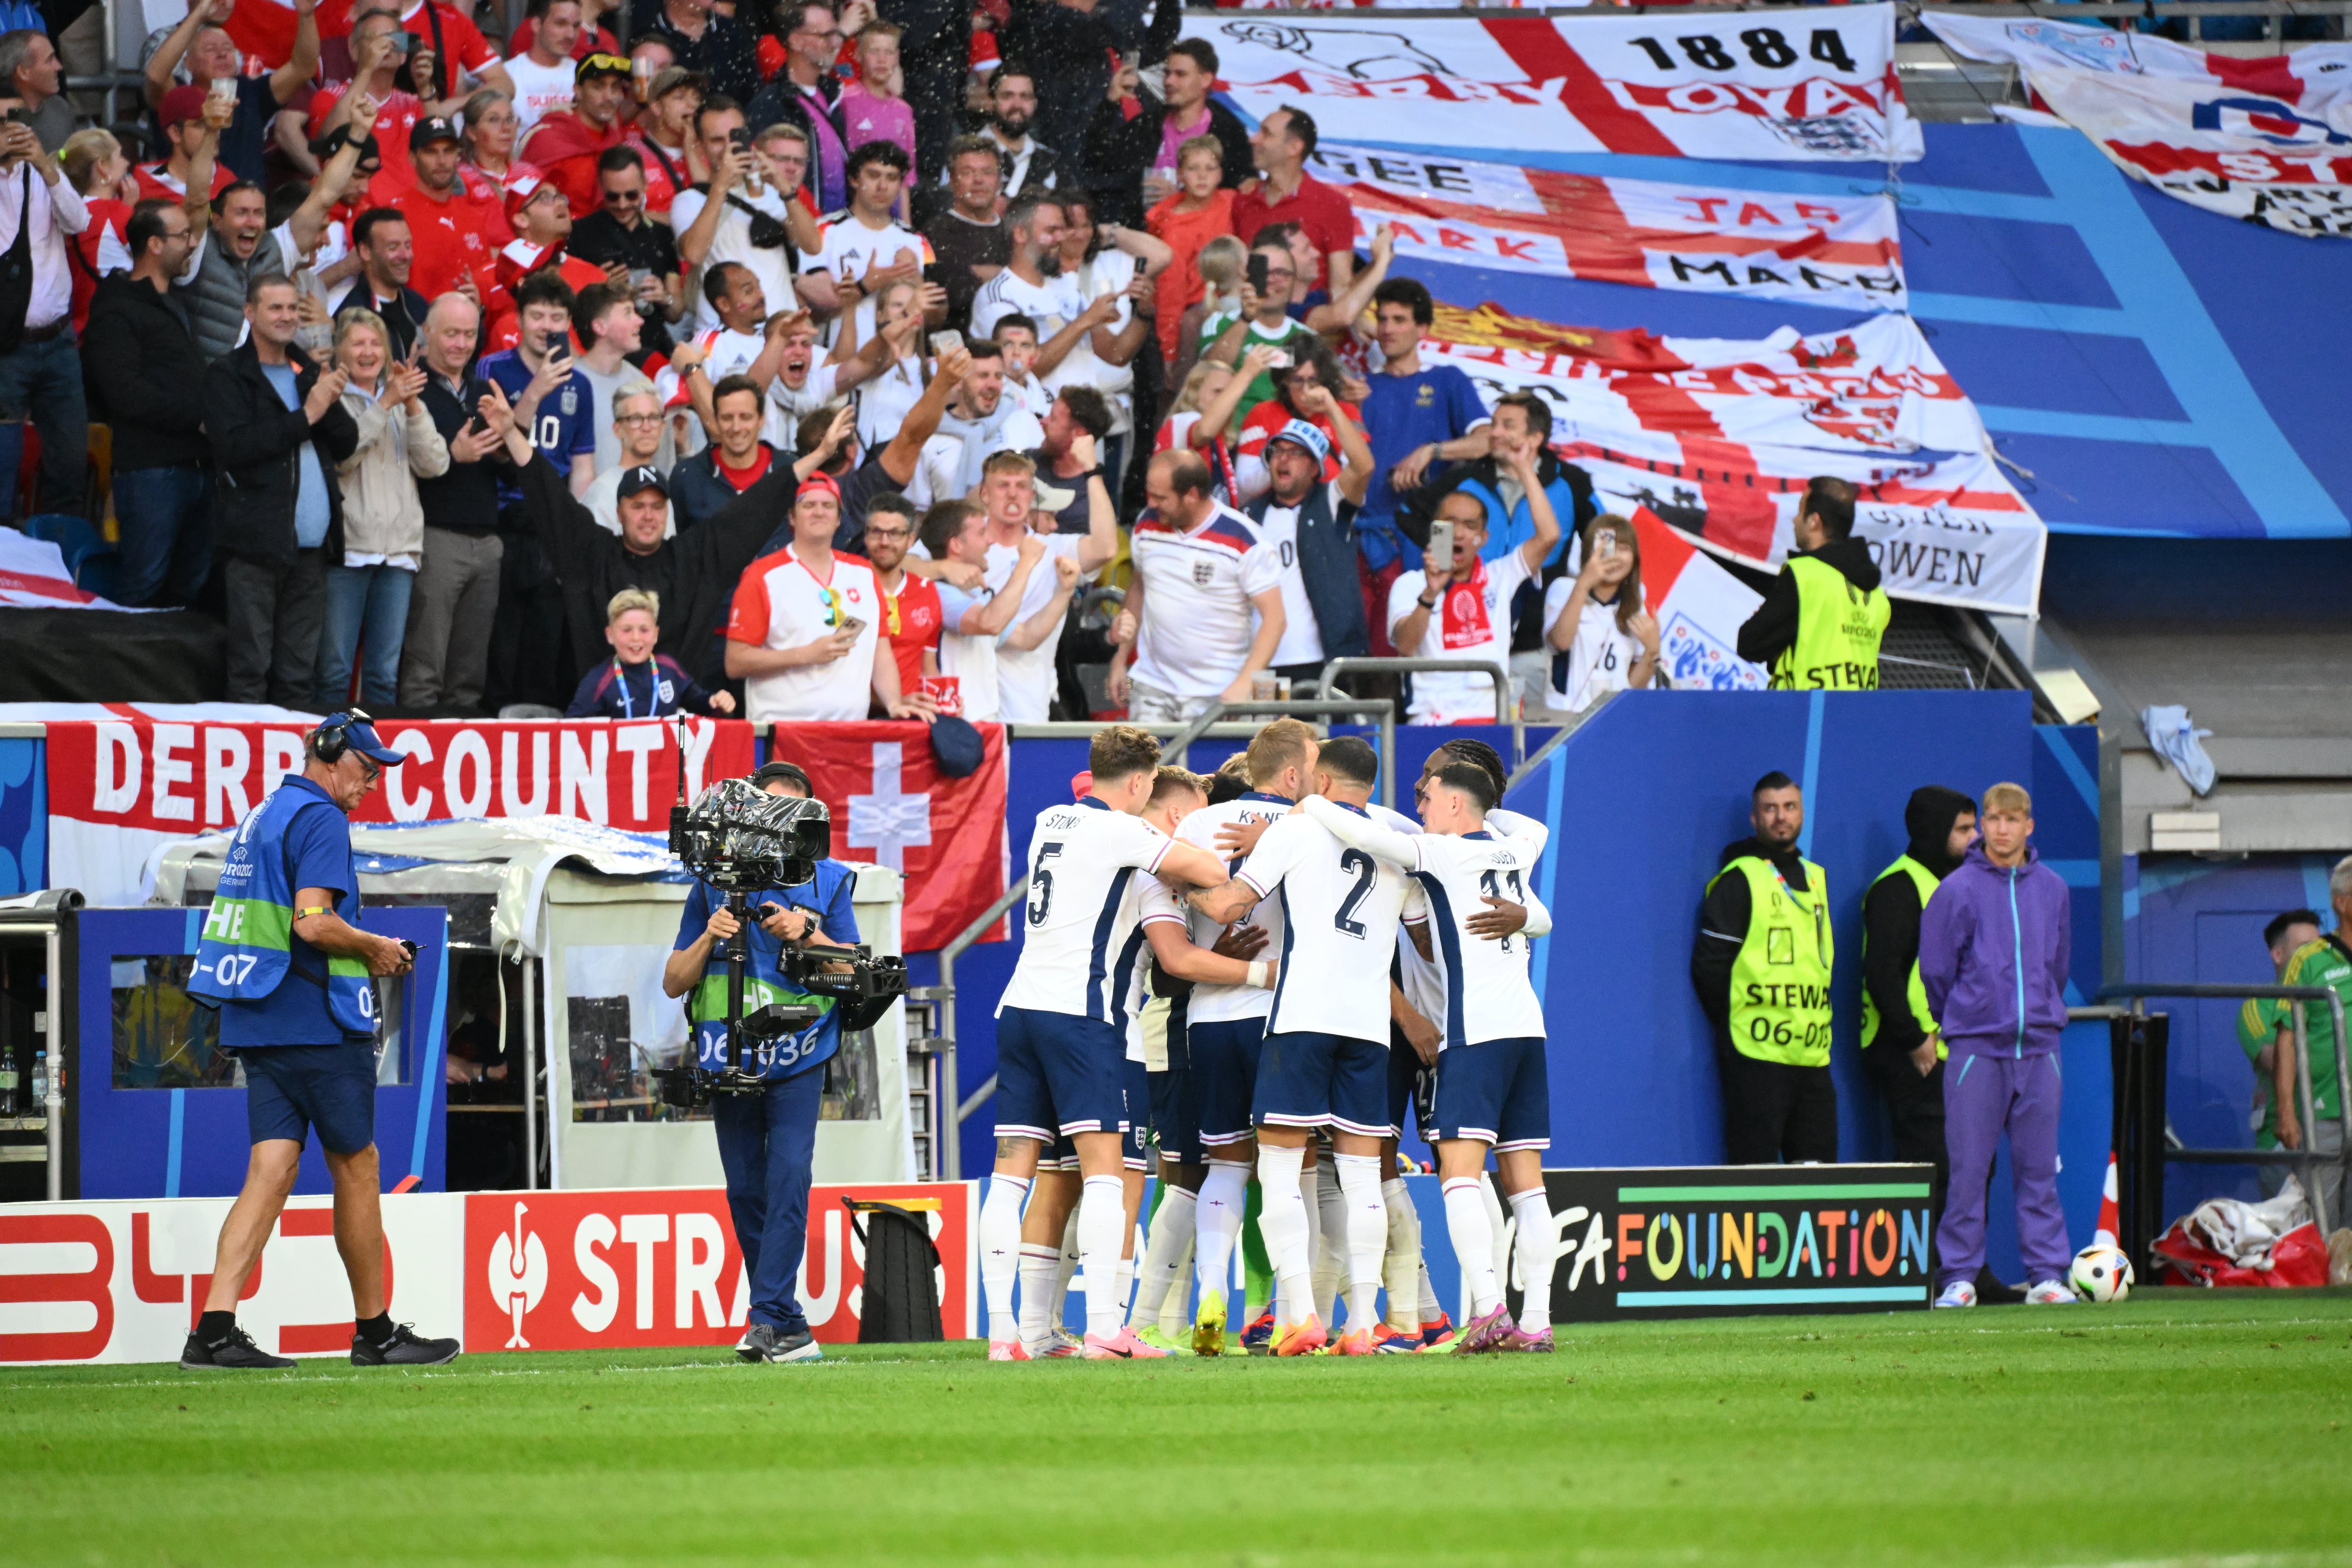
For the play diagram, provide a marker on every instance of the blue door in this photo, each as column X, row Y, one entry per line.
column 158, row 1111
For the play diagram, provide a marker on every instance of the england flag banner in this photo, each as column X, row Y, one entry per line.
column 1699, row 607
column 892, row 805
column 2285, row 165
column 1840, row 251
column 1720, row 445
column 2313, row 77
column 120, row 789
column 1796, row 84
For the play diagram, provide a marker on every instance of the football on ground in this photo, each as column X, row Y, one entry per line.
column 2070, row 1435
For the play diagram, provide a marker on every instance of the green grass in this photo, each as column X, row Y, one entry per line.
column 2157, row 1430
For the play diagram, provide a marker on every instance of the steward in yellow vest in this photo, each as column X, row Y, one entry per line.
column 1761, row 968
column 1821, row 622
column 1901, row 1046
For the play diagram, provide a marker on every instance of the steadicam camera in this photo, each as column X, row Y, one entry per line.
column 743, row 841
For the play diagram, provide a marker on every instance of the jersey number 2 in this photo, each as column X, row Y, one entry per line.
column 1041, row 885
column 1356, row 861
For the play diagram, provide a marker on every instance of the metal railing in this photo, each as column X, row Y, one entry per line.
column 1325, row 706
column 1505, row 709
column 2302, row 1159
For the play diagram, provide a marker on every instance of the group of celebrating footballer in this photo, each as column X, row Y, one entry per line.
column 1214, row 965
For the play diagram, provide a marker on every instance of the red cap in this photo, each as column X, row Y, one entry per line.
column 184, row 102
column 819, row 482
column 1080, row 783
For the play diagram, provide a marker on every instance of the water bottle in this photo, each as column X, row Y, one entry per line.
column 8, row 1106
column 41, row 1081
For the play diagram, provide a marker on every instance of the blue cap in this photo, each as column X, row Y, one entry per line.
column 1300, row 433
column 358, row 735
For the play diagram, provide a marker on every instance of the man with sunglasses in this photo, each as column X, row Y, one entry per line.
column 566, row 143
column 643, row 254
column 283, row 956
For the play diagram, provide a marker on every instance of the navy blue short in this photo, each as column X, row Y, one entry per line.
column 1408, row 1087
column 1225, row 1057
column 289, row 1089
column 1496, row 1092
column 1135, row 1086
column 1322, row 1080
column 1056, row 1072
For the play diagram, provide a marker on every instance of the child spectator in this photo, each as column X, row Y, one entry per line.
column 871, row 109
column 1201, row 211
column 1220, row 263
column 636, row 682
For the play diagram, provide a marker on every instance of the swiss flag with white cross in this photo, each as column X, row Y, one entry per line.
column 892, row 805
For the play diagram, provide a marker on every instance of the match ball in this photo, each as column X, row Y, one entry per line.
column 2100, row 1273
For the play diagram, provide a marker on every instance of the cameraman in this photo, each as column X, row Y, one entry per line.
column 291, row 971
column 767, row 1141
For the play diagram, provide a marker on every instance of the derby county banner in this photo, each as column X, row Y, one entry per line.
column 1794, row 84
column 1841, row 251
column 1722, row 1241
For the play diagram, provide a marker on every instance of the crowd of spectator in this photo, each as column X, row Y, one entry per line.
column 458, row 377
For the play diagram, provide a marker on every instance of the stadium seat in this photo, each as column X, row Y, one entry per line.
column 86, row 552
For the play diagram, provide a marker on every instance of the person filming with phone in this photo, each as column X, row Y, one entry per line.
column 283, row 955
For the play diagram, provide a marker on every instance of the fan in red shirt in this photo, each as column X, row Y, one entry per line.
column 542, row 222
column 595, row 37
column 911, row 616
column 458, row 228
column 447, row 38
column 398, row 117
column 93, row 160
column 186, row 121
column 566, row 143
column 1283, row 141
column 1289, row 402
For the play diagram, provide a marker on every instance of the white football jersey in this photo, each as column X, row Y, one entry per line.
column 1154, row 901
column 1078, row 951
column 1423, row 979
column 1487, row 993
column 1339, row 907
column 1223, row 1004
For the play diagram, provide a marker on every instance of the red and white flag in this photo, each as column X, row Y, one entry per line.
column 1699, row 607
column 1839, row 251
column 891, row 805
column 32, row 576
column 121, row 788
column 2313, row 77
column 1807, row 84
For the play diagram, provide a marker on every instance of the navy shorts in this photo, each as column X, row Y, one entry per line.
column 1135, row 1085
column 1061, row 1154
column 1495, row 1091
column 1056, row 1072
column 1322, row 1080
column 289, row 1089
column 1224, row 1057
column 1409, row 1088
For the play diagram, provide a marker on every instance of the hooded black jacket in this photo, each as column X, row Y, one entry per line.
column 1773, row 629
column 1723, row 926
column 1891, row 910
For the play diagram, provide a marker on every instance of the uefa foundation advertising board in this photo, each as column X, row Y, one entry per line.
column 1687, row 1242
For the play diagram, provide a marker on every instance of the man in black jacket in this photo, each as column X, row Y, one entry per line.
column 279, row 428
column 694, row 573
column 1123, row 148
column 1901, row 1045
column 146, row 379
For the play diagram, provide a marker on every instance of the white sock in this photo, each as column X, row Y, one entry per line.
column 1102, row 1215
column 1474, row 1243
column 1284, row 1226
column 1000, row 1251
column 1367, row 1229
column 1400, row 1261
column 1224, row 1198
column 1039, row 1299
column 1499, row 1229
column 1163, row 1254
column 1066, row 1269
column 1539, row 1244
column 1429, row 1301
column 1330, row 1214
column 1174, row 1312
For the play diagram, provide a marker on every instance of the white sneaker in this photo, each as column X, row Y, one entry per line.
column 1958, row 1293
column 2050, row 1293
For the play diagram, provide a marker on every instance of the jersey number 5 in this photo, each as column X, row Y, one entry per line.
column 1041, row 885
column 1356, row 861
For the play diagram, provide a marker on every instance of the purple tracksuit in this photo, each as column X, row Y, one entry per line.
column 1993, row 955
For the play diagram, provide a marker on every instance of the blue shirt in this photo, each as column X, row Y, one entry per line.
column 829, row 895
column 565, row 426
column 312, row 510
column 1436, row 402
column 317, row 843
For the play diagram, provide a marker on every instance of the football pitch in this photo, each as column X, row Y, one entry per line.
column 2160, row 1430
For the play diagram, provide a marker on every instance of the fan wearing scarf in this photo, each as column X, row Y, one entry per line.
column 282, row 956
column 1461, row 608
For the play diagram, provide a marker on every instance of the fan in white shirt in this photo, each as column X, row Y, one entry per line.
column 1602, row 636
column 863, row 249
column 1034, row 284
column 979, row 422
column 1462, row 608
column 1203, row 613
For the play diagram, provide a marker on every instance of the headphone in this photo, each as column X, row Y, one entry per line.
column 333, row 736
